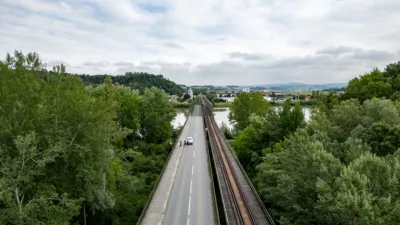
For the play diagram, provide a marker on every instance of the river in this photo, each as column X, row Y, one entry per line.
column 220, row 115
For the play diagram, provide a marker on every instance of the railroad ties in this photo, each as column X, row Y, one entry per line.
column 240, row 201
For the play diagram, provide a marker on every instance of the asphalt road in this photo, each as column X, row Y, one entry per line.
column 190, row 202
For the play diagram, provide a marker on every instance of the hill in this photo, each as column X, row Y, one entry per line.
column 294, row 86
column 139, row 81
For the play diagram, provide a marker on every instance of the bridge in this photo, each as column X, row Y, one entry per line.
column 203, row 183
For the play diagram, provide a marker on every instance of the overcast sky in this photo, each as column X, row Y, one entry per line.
column 208, row 41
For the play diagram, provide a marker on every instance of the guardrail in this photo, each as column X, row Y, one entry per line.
column 163, row 169
column 250, row 183
column 211, row 170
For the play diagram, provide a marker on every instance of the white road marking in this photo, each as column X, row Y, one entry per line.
column 190, row 199
column 192, row 174
column 194, row 153
column 191, row 185
column 188, row 222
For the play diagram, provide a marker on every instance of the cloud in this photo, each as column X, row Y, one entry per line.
column 248, row 56
column 123, row 64
column 208, row 42
column 172, row 45
column 96, row 64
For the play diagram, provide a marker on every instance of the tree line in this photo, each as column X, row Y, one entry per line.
column 137, row 81
column 77, row 154
column 342, row 167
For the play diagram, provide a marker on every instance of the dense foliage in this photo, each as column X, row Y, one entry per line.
column 342, row 167
column 244, row 106
column 376, row 84
column 137, row 81
column 76, row 154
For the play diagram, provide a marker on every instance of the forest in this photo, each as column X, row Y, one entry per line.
column 137, row 81
column 72, row 153
column 342, row 167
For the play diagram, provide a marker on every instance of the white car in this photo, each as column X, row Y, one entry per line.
column 189, row 140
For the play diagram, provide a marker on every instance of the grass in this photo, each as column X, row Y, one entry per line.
column 181, row 105
column 223, row 104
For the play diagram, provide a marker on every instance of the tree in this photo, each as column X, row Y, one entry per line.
column 290, row 118
column 186, row 97
column 287, row 179
column 59, row 138
column 228, row 132
column 247, row 148
column 156, row 116
column 137, row 81
column 383, row 138
column 369, row 85
column 364, row 193
column 211, row 96
column 246, row 104
column 392, row 72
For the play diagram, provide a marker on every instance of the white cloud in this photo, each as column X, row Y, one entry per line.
column 208, row 42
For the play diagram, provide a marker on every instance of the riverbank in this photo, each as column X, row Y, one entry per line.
column 302, row 103
column 182, row 105
column 222, row 104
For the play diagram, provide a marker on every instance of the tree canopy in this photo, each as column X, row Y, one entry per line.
column 76, row 154
column 341, row 167
column 375, row 84
column 137, row 81
column 246, row 104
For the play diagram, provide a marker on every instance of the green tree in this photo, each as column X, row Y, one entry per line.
column 392, row 72
column 287, row 179
column 366, row 192
column 211, row 96
column 247, row 148
column 290, row 118
column 186, row 97
column 383, row 138
column 156, row 116
column 244, row 105
column 228, row 132
column 369, row 85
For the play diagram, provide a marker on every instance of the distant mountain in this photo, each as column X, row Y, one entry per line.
column 294, row 86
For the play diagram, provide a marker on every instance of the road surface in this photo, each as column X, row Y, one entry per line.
column 191, row 201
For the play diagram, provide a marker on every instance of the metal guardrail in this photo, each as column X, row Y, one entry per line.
column 163, row 169
column 250, row 183
column 211, row 172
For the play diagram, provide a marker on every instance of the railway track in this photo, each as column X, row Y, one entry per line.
column 239, row 202
column 242, row 205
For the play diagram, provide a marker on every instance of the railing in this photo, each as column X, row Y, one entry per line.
column 251, row 185
column 211, row 171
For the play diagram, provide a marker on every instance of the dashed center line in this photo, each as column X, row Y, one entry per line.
column 192, row 175
column 188, row 222
column 190, row 187
column 190, row 199
column 194, row 153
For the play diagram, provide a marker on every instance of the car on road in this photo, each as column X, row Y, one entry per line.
column 189, row 140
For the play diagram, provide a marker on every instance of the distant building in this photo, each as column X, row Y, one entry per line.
column 264, row 92
column 190, row 92
column 246, row 89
